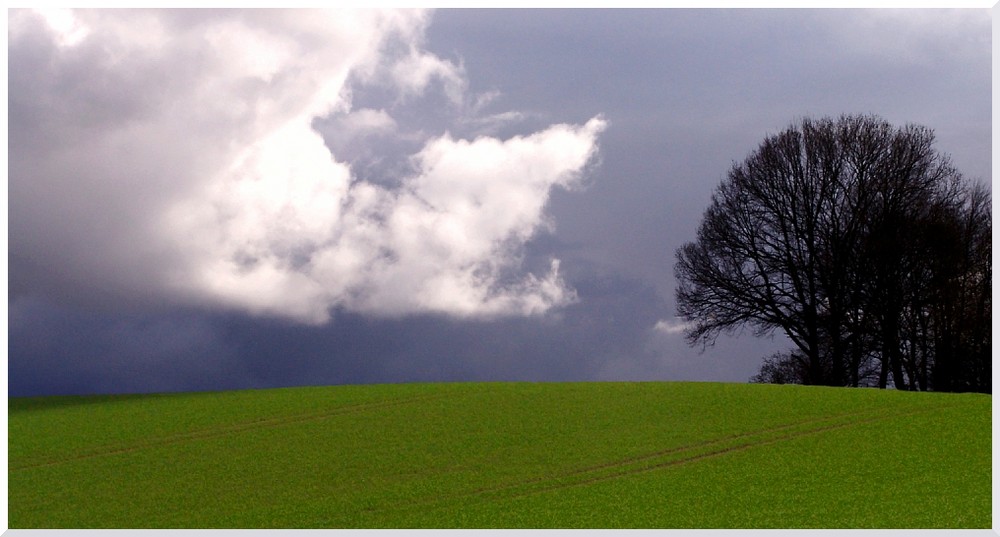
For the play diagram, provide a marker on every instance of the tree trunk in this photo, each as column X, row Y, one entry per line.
column 895, row 355
column 883, row 374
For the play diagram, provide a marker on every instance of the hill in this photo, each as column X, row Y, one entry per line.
column 605, row 455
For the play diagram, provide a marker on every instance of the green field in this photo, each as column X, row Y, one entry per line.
column 511, row 455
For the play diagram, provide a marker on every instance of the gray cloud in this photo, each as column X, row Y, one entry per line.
column 55, row 349
column 606, row 335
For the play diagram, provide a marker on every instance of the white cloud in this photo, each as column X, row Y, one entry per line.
column 452, row 232
column 671, row 327
column 170, row 155
column 68, row 31
column 414, row 72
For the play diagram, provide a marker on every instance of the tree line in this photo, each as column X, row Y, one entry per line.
column 862, row 244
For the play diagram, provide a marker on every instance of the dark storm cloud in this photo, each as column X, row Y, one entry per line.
column 605, row 335
column 685, row 93
column 57, row 349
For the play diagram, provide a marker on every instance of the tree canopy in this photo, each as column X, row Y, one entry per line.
column 862, row 244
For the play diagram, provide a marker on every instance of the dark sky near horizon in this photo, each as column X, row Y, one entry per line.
column 209, row 200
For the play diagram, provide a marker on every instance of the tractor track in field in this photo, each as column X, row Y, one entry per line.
column 714, row 453
column 216, row 432
column 648, row 462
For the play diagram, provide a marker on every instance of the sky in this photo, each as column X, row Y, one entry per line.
column 228, row 199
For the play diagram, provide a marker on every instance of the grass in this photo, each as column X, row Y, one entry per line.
column 604, row 455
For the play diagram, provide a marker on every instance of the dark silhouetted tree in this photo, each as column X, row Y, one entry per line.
column 859, row 242
column 783, row 368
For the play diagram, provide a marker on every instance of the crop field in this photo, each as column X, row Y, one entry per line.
column 504, row 455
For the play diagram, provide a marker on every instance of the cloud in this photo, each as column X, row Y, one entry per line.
column 417, row 70
column 669, row 327
column 919, row 37
column 68, row 31
column 170, row 156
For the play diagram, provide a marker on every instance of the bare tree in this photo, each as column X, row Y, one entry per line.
column 952, row 331
column 824, row 233
column 783, row 368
